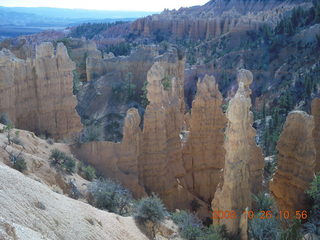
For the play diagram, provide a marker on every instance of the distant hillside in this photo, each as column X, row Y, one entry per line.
column 18, row 21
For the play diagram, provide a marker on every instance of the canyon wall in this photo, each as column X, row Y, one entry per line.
column 203, row 153
column 37, row 93
column 236, row 190
column 118, row 161
column 296, row 162
column 211, row 20
column 315, row 110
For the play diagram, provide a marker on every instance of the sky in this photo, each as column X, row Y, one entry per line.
column 132, row 5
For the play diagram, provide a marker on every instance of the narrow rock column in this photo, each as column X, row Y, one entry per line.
column 235, row 194
column 203, row 154
column 296, row 162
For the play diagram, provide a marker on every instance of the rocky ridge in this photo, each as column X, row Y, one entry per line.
column 37, row 93
column 213, row 19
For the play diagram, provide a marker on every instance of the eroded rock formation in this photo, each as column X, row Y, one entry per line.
column 211, row 20
column 296, row 162
column 315, row 109
column 203, row 153
column 160, row 164
column 118, row 161
column 37, row 93
column 235, row 193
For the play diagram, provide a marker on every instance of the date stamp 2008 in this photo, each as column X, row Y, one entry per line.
column 301, row 214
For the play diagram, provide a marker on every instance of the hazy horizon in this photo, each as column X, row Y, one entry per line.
column 120, row 5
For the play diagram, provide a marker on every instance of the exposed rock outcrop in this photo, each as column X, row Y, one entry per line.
column 118, row 161
column 296, row 162
column 37, row 93
column 211, row 20
column 160, row 164
column 315, row 109
column 235, row 193
column 203, row 153
column 30, row 210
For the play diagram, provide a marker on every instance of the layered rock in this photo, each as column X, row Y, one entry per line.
column 203, row 154
column 31, row 210
column 160, row 164
column 296, row 162
column 118, row 161
column 212, row 19
column 37, row 93
column 315, row 109
column 235, row 193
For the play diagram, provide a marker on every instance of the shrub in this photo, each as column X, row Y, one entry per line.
column 62, row 161
column 50, row 141
column 16, row 139
column 191, row 228
column 150, row 209
column 92, row 133
column 166, row 83
column 262, row 229
column 19, row 162
column 189, row 224
column 69, row 164
column 89, row 173
column 263, row 201
column 4, row 119
column 293, row 232
column 111, row 196
column 314, row 192
column 7, row 129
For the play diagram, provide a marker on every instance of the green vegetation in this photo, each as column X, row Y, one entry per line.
column 191, row 228
column 89, row 30
column 18, row 162
column 119, row 49
column 76, row 82
column 92, row 133
column 144, row 99
column 88, row 172
column 263, row 201
column 111, row 196
column 4, row 119
column 166, row 82
column 314, row 193
column 16, row 138
column 7, row 129
column 150, row 209
column 62, row 161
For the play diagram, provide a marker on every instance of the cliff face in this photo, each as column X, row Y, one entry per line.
column 160, row 164
column 37, row 93
column 203, row 153
column 296, row 162
column 315, row 109
column 151, row 158
column 235, row 194
column 118, row 161
column 212, row 19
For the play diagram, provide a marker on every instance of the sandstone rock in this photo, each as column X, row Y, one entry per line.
column 203, row 153
column 296, row 162
column 212, row 19
column 37, row 93
column 235, row 193
column 118, row 161
column 59, row 217
column 315, row 109
column 160, row 163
